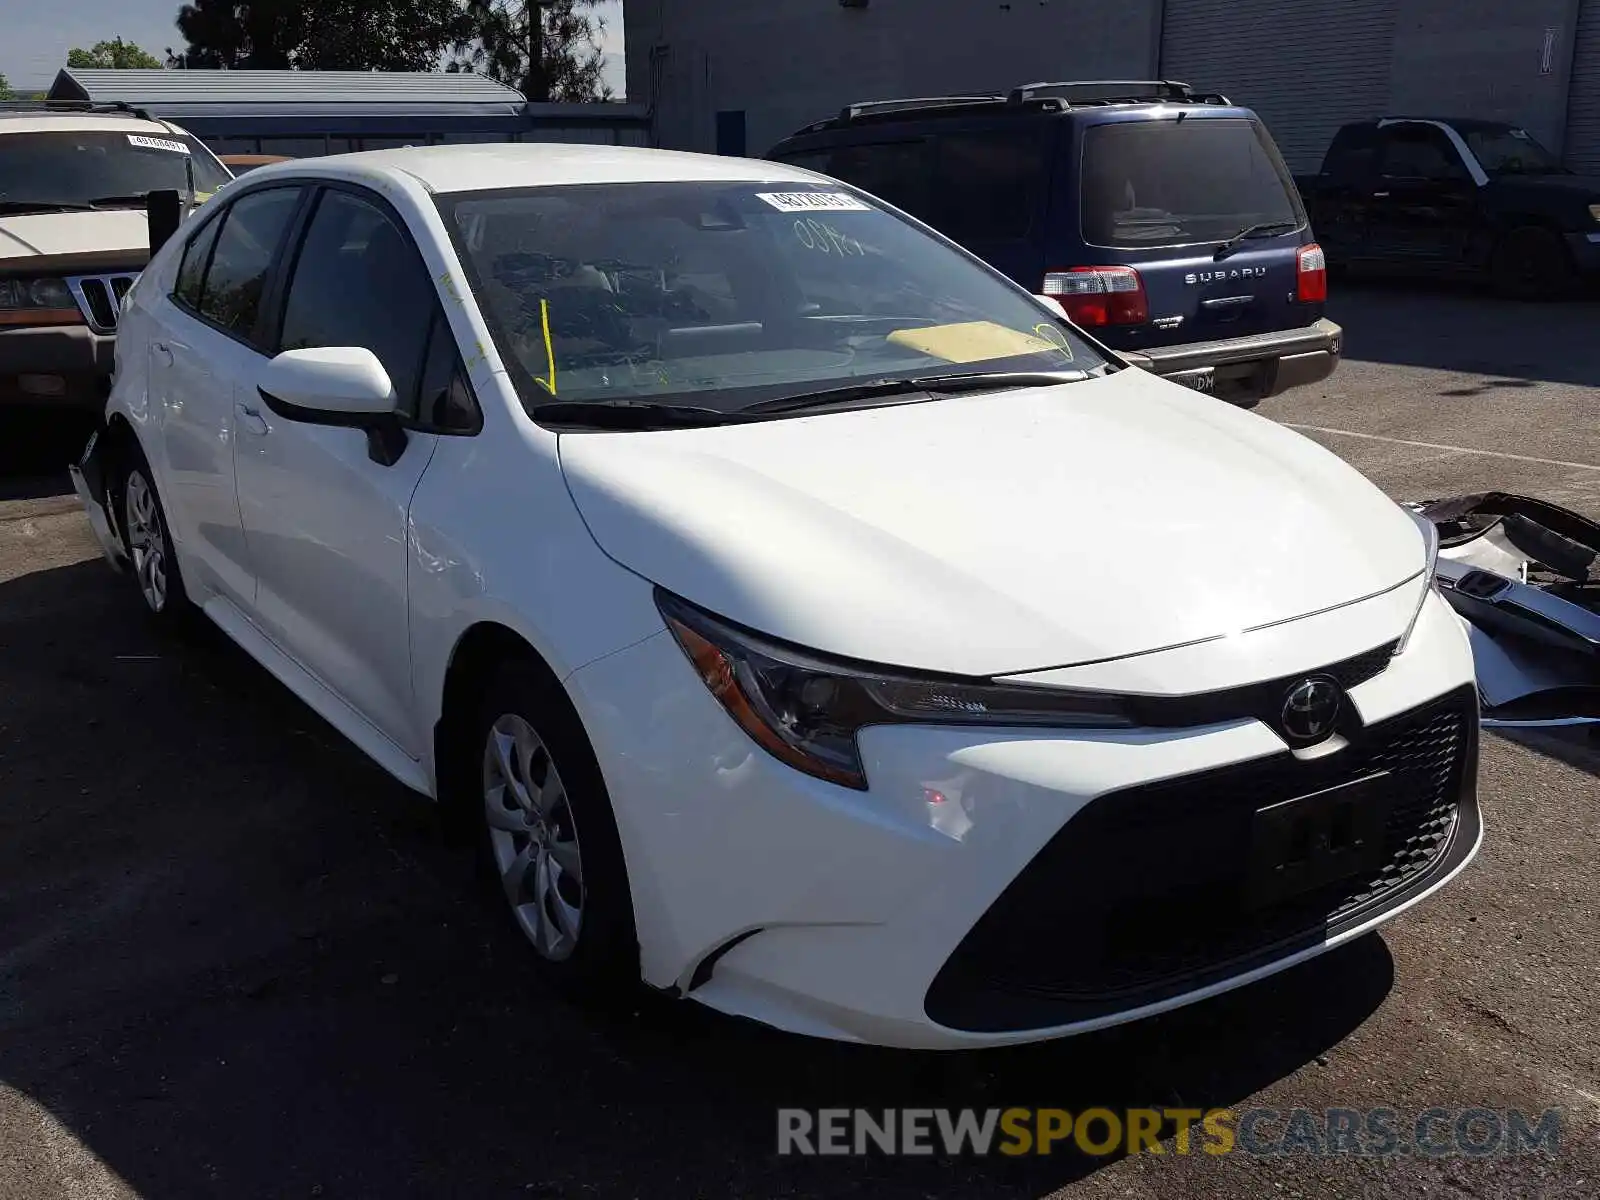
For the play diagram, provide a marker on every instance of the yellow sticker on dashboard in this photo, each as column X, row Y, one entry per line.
column 975, row 341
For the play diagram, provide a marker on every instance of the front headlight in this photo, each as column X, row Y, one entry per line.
column 1430, row 545
column 32, row 295
column 805, row 710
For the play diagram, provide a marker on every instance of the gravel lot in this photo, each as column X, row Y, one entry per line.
column 235, row 960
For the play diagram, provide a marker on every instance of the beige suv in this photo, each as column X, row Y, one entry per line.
column 73, row 238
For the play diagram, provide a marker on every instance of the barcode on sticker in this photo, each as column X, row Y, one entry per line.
column 150, row 143
column 813, row 202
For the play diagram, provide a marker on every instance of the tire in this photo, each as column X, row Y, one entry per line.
column 148, row 537
column 548, row 837
column 1531, row 263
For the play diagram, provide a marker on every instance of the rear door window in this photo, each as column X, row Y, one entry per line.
column 894, row 171
column 252, row 230
column 192, row 270
column 1354, row 153
column 1172, row 183
column 989, row 184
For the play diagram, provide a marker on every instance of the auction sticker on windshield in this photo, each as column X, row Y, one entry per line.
column 154, row 143
column 813, row 202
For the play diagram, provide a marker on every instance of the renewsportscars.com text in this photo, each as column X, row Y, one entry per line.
column 1260, row 1132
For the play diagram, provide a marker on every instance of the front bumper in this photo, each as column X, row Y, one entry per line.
column 92, row 481
column 1585, row 251
column 1247, row 369
column 896, row 916
column 56, row 365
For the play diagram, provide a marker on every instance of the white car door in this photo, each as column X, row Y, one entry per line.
column 325, row 519
column 202, row 348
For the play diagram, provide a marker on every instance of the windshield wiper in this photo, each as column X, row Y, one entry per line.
column 125, row 201
column 1253, row 231
column 17, row 207
column 936, row 385
column 629, row 414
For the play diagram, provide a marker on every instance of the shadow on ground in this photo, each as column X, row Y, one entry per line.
column 35, row 447
column 236, row 959
column 1459, row 328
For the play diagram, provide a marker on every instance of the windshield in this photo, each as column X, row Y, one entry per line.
column 727, row 295
column 1174, row 182
column 1508, row 151
column 100, row 167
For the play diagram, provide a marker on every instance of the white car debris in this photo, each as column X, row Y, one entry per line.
column 1520, row 572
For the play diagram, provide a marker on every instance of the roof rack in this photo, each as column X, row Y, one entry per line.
column 1103, row 91
column 1048, row 96
column 873, row 108
column 121, row 107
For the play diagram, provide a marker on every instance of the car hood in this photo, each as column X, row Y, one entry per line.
column 73, row 238
column 1577, row 185
column 1001, row 533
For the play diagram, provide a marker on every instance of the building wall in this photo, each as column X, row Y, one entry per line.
column 789, row 62
column 1305, row 66
column 1309, row 64
column 1583, row 96
column 1484, row 58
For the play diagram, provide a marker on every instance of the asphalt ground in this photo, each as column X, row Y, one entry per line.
column 236, row 960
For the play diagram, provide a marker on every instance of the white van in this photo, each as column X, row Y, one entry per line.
column 74, row 236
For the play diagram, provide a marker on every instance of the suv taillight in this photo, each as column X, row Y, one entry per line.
column 1313, row 284
column 1100, row 295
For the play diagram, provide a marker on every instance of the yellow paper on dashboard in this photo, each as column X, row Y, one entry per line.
column 975, row 341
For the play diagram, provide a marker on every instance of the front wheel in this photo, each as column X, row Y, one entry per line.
column 1532, row 264
column 149, row 544
column 551, row 838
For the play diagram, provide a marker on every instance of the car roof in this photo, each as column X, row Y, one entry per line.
column 70, row 122
column 483, row 167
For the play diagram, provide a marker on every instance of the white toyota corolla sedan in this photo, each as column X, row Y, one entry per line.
column 819, row 626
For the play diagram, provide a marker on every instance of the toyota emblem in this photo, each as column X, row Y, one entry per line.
column 1311, row 709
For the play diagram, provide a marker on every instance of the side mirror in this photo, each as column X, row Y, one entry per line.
column 163, row 213
column 343, row 386
column 1054, row 306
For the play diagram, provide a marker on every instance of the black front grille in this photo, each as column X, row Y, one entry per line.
column 1145, row 894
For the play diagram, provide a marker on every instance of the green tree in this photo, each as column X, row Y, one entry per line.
column 546, row 49
column 115, row 53
column 5, row 89
column 318, row 35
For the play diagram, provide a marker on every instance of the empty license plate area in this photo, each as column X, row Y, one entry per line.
column 1303, row 844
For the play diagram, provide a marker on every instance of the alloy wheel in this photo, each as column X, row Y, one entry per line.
column 146, row 544
column 533, row 837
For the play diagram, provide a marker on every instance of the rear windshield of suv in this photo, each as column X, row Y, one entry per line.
column 1174, row 182
column 100, row 167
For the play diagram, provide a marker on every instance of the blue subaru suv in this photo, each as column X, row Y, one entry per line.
column 1162, row 220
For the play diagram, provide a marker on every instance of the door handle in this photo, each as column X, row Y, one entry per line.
column 1380, row 195
column 162, row 352
column 251, row 419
